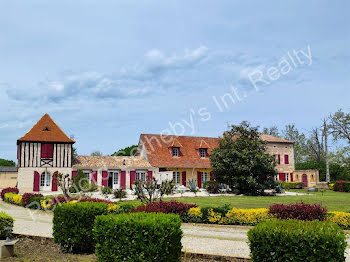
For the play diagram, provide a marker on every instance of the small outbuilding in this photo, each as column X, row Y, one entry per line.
column 8, row 176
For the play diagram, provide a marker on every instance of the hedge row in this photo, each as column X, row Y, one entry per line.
column 292, row 185
column 297, row 241
column 342, row 186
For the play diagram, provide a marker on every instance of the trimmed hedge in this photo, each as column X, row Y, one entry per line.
column 5, row 221
column 138, row 237
column 73, row 224
column 292, row 185
column 297, row 241
column 300, row 211
column 8, row 190
column 172, row 207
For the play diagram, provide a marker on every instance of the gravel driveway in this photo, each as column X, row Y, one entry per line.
column 202, row 239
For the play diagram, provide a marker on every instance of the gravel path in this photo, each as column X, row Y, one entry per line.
column 201, row 239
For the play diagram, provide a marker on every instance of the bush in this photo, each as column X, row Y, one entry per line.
column 106, row 190
column 27, row 198
column 13, row 198
column 300, row 211
column 172, row 207
column 73, row 223
column 331, row 186
column 297, row 241
column 249, row 217
column 5, row 221
column 340, row 218
column 119, row 193
column 212, row 187
column 347, row 187
column 292, row 185
column 340, row 185
column 138, row 237
column 8, row 190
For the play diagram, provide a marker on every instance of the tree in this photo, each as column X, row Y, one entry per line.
column 292, row 133
column 96, row 153
column 128, row 151
column 340, row 125
column 315, row 146
column 273, row 131
column 64, row 182
column 242, row 163
column 4, row 162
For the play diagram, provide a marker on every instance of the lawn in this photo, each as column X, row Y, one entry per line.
column 334, row 201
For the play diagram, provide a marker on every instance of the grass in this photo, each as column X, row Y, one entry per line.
column 334, row 201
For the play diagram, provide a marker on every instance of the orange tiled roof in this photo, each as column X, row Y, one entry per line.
column 109, row 162
column 46, row 130
column 159, row 154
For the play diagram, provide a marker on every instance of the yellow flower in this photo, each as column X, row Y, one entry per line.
column 246, row 216
column 213, row 217
column 331, row 186
column 45, row 204
column 113, row 208
column 195, row 211
column 341, row 218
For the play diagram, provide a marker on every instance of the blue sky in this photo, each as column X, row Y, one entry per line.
column 107, row 71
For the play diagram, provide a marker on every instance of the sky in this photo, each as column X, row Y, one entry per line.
column 107, row 71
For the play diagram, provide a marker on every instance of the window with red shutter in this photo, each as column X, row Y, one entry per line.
column 47, row 151
column 286, row 159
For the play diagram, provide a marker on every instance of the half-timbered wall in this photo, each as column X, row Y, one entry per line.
column 30, row 155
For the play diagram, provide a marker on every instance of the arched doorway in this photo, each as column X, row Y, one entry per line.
column 304, row 180
column 45, row 181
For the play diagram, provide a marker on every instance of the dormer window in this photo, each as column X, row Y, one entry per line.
column 46, row 128
column 176, row 152
column 203, row 152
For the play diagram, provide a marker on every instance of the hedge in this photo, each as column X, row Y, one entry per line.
column 300, row 211
column 341, row 186
column 297, row 241
column 5, row 221
column 73, row 224
column 292, row 185
column 138, row 237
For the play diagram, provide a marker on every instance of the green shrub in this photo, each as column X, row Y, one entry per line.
column 119, row 193
column 347, row 187
column 292, row 185
column 73, row 223
column 138, row 237
column 106, row 190
column 5, row 221
column 297, row 241
column 212, row 187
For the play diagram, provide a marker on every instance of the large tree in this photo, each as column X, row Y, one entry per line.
column 242, row 163
column 340, row 125
column 291, row 133
column 128, row 151
column 4, row 162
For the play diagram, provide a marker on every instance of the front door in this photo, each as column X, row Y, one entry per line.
column 304, row 180
column 45, row 181
column 113, row 180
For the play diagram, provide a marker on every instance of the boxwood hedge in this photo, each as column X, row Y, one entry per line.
column 297, row 241
column 138, row 237
column 73, row 224
column 5, row 221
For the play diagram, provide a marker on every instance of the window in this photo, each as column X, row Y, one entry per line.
column 176, row 178
column 115, row 177
column 47, row 151
column 276, row 177
column 297, row 177
column 204, row 176
column 286, row 159
column 203, row 152
column 87, row 175
column 141, row 175
column 287, row 177
column 312, row 178
column 45, row 181
column 275, row 146
column 175, row 151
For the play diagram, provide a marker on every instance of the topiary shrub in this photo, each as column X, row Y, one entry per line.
column 300, row 211
column 297, row 241
column 8, row 190
column 138, row 237
column 73, row 223
column 5, row 221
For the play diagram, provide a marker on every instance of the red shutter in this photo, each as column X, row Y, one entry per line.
column 54, row 182
column 184, row 178
column 282, row 177
column 286, row 159
column 49, row 151
column 199, row 179
column 74, row 173
column 36, row 186
column 105, row 178
column 94, row 177
column 122, row 179
column 279, row 159
column 18, row 154
column 43, row 150
column 132, row 177
column 211, row 176
column 291, row 177
column 150, row 173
